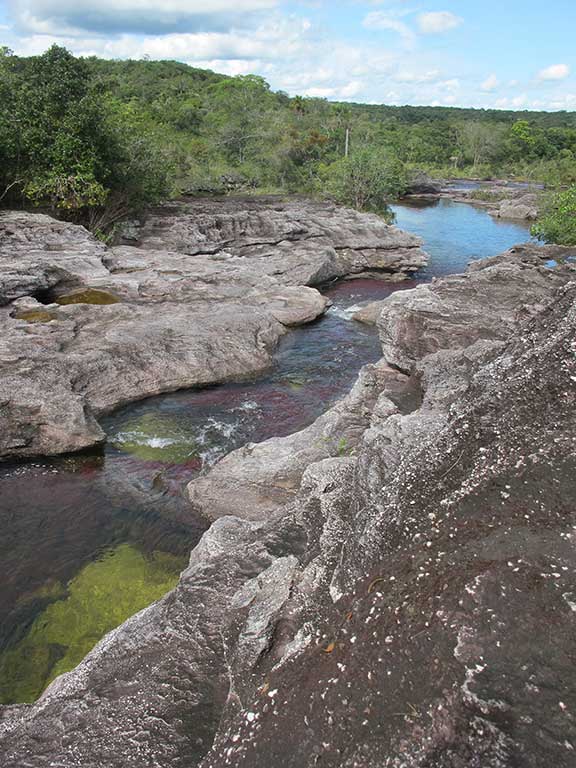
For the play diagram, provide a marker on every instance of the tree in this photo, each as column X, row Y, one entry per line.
column 557, row 224
column 64, row 146
column 239, row 115
column 479, row 142
column 366, row 180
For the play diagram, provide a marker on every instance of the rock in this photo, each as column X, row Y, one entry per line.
column 455, row 558
column 258, row 478
column 302, row 242
column 38, row 253
column 459, row 309
column 525, row 207
column 422, row 184
column 204, row 299
column 397, row 611
column 370, row 313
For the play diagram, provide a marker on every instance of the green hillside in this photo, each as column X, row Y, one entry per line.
column 99, row 138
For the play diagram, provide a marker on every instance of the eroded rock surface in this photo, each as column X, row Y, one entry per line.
column 525, row 207
column 203, row 299
column 299, row 241
column 257, row 478
column 457, row 310
column 411, row 606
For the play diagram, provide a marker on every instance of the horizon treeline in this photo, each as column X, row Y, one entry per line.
column 98, row 139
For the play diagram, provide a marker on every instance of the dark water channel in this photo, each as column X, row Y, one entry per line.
column 89, row 540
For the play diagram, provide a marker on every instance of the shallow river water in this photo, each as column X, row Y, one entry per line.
column 89, row 540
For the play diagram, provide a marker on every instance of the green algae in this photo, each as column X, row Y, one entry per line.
column 35, row 316
column 155, row 438
column 103, row 595
column 88, row 296
column 48, row 592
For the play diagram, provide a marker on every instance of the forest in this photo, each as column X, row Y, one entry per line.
column 97, row 140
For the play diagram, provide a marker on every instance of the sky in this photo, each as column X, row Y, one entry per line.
column 502, row 54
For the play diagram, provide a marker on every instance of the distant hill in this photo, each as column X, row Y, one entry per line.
column 91, row 135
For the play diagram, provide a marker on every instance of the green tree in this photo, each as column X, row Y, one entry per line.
column 479, row 143
column 557, row 224
column 365, row 180
column 64, row 145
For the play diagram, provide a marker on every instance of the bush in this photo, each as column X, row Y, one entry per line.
column 366, row 180
column 63, row 145
column 557, row 224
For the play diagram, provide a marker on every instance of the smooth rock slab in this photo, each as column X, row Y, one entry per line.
column 38, row 252
column 204, row 300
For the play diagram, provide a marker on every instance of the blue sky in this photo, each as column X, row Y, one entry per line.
column 492, row 53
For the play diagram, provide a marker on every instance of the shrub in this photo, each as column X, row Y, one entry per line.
column 557, row 224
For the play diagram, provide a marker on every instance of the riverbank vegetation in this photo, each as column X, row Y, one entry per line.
column 557, row 223
column 98, row 139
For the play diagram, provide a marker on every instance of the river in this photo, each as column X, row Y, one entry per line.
column 88, row 540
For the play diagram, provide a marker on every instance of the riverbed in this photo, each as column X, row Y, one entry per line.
column 88, row 540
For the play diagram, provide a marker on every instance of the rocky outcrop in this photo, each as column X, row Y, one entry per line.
column 459, row 309
column 411, row 605
column 257, row 478
column 422, row 184
column 38, row 253
column 502, row 199
column 203, row 299
column 525, row 207
column 369, row 313
column 298, row 241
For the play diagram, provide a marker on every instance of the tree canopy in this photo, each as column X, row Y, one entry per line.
column 96, row 138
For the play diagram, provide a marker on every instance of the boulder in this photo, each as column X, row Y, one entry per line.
column 457, row 310
column 525, row 207
column 38, row 253
column 422, row 184
column 369, row 313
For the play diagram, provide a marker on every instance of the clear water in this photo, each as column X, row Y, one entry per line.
column 59, row 517
column 456, row 233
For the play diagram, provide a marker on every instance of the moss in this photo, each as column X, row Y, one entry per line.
column 88, row 296
column 296, row 382
column 99, row 598
column 35, row 315
column 154, row 438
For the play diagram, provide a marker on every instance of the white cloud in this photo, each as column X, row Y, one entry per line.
column 438, row 21
column 353, row 88
column 231, row 67
column 554, row 72
column 490, row 84
column 345, row 92
column 383, row 20
column 281, row 38
column 514, row 102
column 140, row 16
column 430, row 76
